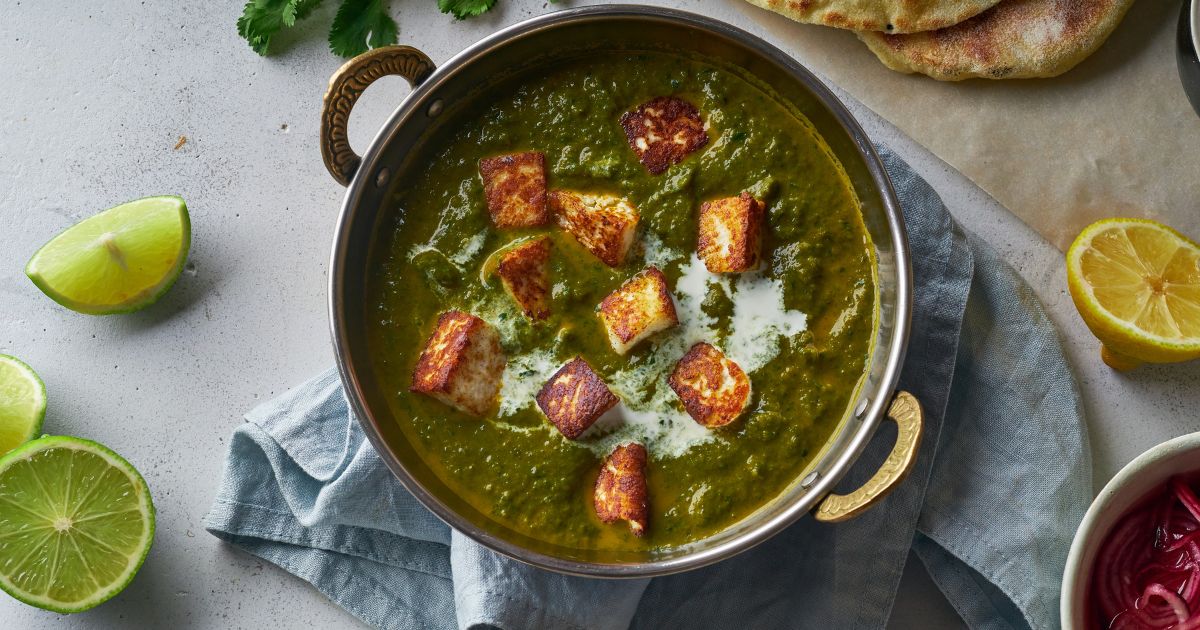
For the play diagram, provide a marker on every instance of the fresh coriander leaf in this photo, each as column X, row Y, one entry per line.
column 304, row 8
column 262, row 19
column 462, row 9
column 359, row 25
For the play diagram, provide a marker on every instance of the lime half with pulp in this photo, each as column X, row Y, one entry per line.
column 22, row 403
column 120, row 260
column 76, row 522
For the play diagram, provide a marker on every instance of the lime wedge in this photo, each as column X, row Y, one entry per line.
column 118, row 261
column 22, row 403
column 76, row 522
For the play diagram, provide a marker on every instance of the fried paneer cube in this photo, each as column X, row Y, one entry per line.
column 574, row 398
column 637, row 309
column 621, row 489
column 462, row 364
column 663, row 131
column 515, row 187
column 731, row 233
column 714, row 389
column 525, row 272
column 603, row 224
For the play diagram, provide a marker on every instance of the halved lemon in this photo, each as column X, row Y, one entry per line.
column 1136, row 283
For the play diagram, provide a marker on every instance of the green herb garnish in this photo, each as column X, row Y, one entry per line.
column 261, row 19
column 462, row 9
column 359, row 25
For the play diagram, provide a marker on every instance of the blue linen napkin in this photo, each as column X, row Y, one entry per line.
column 1002, row 479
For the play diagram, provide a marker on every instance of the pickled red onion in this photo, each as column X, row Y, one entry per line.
column 1147, row 572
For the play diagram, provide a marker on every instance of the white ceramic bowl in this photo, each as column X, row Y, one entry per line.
column 1145, row 473
column 1196, row 27
column 1187, row 50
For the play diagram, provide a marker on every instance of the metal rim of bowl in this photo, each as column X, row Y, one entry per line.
column 879, row 397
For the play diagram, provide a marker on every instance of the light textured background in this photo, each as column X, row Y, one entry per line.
column 94, row 99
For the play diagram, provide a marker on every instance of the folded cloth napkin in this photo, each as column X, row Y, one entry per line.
column 1001, row 481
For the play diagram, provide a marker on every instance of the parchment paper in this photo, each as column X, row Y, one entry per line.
column 1115, row 136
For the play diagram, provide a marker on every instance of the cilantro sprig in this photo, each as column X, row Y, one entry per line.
column 463, row 9
column 357, row 26
column 360, row 23
column 261, row 19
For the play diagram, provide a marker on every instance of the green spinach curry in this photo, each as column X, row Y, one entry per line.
column 801, row 326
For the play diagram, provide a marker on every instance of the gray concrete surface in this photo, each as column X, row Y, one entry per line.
column 94, row 100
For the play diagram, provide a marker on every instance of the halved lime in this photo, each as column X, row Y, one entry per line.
column 76, row 522
column 118, row 261
column 22, row 403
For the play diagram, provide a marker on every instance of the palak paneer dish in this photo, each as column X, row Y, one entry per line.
column 624, row 303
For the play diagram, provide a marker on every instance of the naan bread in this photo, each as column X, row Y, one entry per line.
column 1018, row 39
column 889, row 16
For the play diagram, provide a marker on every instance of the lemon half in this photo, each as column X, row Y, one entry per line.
column 1136, row 283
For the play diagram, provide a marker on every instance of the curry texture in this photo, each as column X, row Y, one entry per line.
column 435, row 252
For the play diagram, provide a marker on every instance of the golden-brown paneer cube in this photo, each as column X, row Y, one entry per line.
column 714, row 389
column 637, row 309
column 621, row 489
column 663, row 131
column 574, row 398
column 462, row 364
column 604, row 224
column 525, row 272
column 515, row 187
column 731, row 233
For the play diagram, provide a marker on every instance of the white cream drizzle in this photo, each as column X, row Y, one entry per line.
column 760, row 321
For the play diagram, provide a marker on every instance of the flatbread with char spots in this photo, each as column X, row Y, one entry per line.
column 889, row 16
column 1018, row 39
